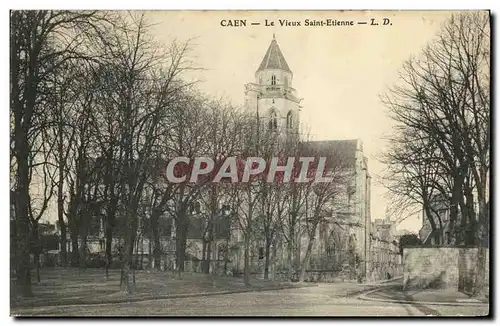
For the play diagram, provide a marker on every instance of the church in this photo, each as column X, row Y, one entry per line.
column 271, row 97
column 345, row 243
column 342, row 242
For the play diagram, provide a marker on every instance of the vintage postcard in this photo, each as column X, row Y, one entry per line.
column 250, row 163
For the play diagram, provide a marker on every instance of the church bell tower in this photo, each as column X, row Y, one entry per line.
column 271, row 97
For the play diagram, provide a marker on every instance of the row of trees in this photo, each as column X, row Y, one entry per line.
column 94, row 104
column 283, row 213
column 98, row 109
column 439, row 158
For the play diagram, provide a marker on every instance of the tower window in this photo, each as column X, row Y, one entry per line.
column 289, row 120
column 273, row 120
column 273, row 80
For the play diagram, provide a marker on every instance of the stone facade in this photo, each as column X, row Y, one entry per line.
column 385, row 259
column 272, row 98
column 440, row 267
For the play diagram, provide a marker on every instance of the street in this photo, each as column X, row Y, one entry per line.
column 312, row 301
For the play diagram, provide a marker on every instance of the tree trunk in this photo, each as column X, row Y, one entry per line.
column 211, row 227
column 62, row 224
column 297, row 252
column 290, row 255
column 37, row 248
column 246, row 268
column 305, row 262
column 267, row 259
column 290, row 262
column 180, row 243
column 130, row 237
column 208, row 258
column 110, row 225
column 23, row 113
column 74, row 228
column 204, row 255
column 430, row 218
column 142, row 254
column 150, row 254
column 37, row 264
column 125, row 284
column 82, row 256
column 60, row 196
column 156, row 240
column 126, row 273
column 75, row 252
column 109, row 243
column 274, row 260
column 455, row 198
column 22, row 225
column 226, row 256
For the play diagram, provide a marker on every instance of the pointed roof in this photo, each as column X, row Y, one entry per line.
column 274, row 59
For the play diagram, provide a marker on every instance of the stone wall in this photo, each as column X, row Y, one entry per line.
column 440, row 268
column 468, row 269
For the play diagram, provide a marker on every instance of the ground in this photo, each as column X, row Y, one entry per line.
column 310, row 301
column 67, row 298
column 428, row 295
column 90, row 286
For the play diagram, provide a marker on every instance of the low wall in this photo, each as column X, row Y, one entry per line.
column 440, row 268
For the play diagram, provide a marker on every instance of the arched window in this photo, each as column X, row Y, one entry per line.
column 289, row 120
column 273, row 120
column 286, row 81
column 260, row 80
column 273, row 80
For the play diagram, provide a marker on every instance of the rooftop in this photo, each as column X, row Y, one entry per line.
column 345, row 149
column 274, row 58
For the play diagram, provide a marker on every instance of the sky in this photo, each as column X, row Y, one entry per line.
column 340, row 71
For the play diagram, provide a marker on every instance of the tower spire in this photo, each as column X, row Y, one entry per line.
column 274, row 59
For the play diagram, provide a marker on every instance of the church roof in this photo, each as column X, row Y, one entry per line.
column 274, row 59
column 343, row 149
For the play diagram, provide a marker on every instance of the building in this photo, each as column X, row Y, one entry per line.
column 342, row 240
column 276, row 104
column 440, row 211
column 384, row 251
column 271, row 97
column 352, row 208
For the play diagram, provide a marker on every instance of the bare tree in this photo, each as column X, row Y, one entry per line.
column 322, row 200
column 274, row 196
column 224, row 124
column 414, row 185
column 248, row 193
column 40, row 193
column 443, row 104
column 185, row 138
column 41, row 42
